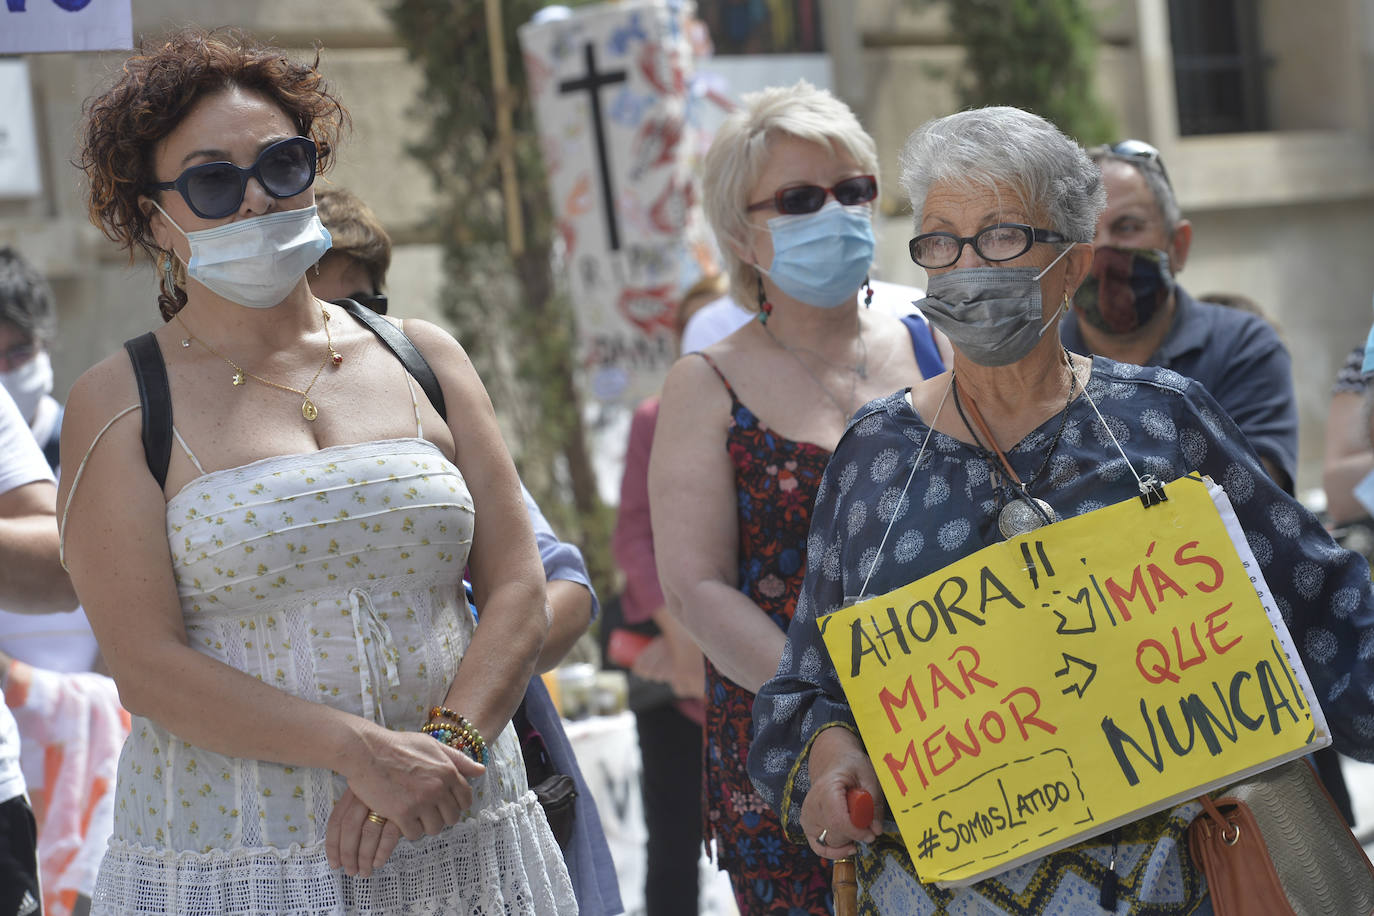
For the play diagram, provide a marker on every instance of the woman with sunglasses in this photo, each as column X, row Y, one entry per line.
column 268, row 522
column 745, row 429
column 1018, row 434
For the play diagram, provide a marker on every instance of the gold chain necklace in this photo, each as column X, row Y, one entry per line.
column 241, row 375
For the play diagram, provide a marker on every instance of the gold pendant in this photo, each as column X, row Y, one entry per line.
column 238, row 378
column 308, row 410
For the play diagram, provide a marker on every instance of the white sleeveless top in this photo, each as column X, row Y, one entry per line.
column 334, row 576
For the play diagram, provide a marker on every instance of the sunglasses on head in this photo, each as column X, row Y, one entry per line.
column 214, row 190
column 1136, row 151
column 808, row 198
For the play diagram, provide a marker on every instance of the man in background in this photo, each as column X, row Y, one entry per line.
column 1132, row 309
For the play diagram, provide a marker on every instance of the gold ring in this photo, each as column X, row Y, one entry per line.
column 376, row 818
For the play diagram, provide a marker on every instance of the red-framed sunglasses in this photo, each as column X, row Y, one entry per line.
column 808, row 198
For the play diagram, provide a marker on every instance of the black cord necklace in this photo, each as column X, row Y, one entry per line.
column 1024, row 512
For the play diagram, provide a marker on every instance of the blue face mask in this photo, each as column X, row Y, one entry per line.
column 822, row 258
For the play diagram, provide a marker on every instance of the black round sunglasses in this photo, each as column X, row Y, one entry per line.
column 214, row 190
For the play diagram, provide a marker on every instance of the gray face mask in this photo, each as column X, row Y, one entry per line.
column 992, row 315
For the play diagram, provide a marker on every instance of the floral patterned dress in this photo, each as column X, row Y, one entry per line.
column 334, row 576
column 776, row 481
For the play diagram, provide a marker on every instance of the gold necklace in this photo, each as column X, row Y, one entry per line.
column 241, row 375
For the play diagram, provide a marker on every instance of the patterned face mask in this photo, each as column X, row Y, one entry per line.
column 1126, row 288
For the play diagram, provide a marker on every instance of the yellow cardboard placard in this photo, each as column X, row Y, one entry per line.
column 1048, row 688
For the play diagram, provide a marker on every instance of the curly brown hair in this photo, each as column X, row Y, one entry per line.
column 156, row 88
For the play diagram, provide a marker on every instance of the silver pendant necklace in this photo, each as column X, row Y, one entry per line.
column 1151, row 490
column 1023, row 513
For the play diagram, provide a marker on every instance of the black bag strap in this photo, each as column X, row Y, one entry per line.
column 155, row 397
column 155, row 392
column 538, row 762
column 398, row 343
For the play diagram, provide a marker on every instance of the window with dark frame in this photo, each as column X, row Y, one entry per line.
column 1219, row 66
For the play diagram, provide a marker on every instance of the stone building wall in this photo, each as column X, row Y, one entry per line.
column 1286, row 216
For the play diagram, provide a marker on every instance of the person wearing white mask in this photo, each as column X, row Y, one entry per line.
column 789, row 184
column 267, row 509
column 28, row 323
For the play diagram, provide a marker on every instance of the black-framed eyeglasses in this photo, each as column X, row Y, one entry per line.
column 374, row 301
column 214, row 190
column 808, row 198
column 998, row 242
column 1135, row 151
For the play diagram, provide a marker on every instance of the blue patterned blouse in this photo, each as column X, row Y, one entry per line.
column 1169, row 426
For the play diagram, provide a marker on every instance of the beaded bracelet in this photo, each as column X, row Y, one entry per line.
column 456, row 732
column 451, row 736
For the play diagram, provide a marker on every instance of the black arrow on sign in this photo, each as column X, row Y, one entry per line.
column 1069, row 662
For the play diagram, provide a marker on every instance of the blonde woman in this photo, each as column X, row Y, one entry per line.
column 746, row 427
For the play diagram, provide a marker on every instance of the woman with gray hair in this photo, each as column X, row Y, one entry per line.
column 1017, row 435
column 789, row 183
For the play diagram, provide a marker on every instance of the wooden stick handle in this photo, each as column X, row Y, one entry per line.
column 845, row 887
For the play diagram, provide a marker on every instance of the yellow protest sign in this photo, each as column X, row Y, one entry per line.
column 1046, row 689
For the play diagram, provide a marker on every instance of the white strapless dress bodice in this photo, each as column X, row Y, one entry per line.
column 335, row 576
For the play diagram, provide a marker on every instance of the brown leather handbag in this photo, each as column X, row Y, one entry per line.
column 1276, row 845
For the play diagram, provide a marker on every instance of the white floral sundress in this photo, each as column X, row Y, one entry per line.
column 333, row 576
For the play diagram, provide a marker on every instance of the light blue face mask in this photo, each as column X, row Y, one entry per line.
column 822, row 258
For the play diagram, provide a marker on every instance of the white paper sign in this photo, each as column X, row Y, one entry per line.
column 610, row 85
column 19, row 173
column 31, row 26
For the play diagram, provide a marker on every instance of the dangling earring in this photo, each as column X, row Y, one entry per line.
column 765, row 307
column 868, row 295
column 317, row 269
column 167, row 271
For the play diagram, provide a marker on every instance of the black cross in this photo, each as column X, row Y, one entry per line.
column 593, row 81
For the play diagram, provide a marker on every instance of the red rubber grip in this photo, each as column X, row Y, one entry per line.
column 860, row 808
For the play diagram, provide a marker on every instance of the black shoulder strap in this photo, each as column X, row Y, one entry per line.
column 155, row 397
column 398, row 343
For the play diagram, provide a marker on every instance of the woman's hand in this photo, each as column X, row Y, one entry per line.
column 418, row 784
column 353, row 842
column 838, row 763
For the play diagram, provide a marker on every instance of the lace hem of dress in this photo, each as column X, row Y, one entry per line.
column 504, row 861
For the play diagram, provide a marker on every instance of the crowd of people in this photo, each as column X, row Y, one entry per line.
column 289, row 532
